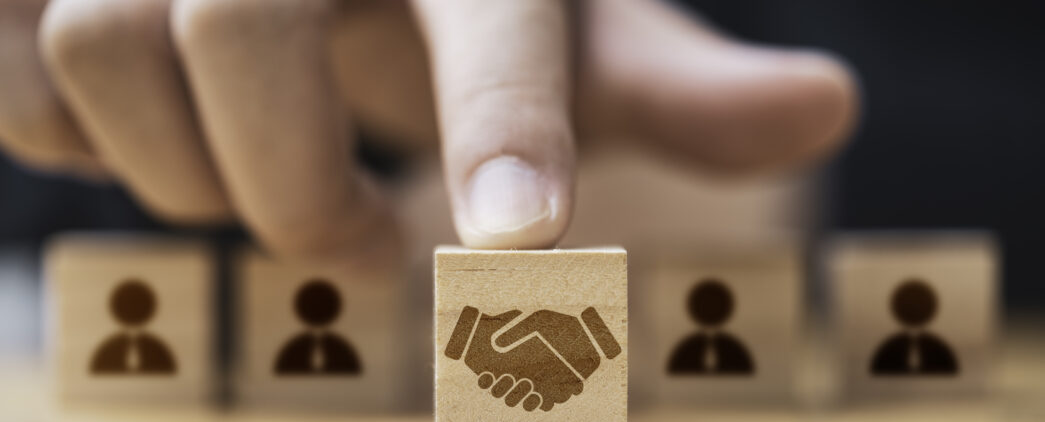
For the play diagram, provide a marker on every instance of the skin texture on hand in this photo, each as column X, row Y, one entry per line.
column 524, row 361
column 213, row 110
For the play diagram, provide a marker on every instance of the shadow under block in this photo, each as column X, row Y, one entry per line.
column 916, row 313
column 531, row 335
column 722, row 324
column 319, row 339
column 131, row 319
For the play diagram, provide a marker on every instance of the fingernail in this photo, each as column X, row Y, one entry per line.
column 507, row 194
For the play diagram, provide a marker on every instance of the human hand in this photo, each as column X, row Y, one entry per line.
column 524, row 365
column 212, row 110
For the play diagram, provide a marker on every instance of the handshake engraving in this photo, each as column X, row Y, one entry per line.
column 539, row 362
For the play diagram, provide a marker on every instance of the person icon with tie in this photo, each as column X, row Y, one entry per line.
column 317, row 351
column 711, row 351
column 915, row 351
column 132, row 350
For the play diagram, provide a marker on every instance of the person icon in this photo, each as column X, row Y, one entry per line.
column 915, row 351
column 132, row 350
column 317, row 351
column 711, row 351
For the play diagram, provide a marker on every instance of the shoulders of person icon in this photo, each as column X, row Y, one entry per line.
column 152, row 356
column 730, row 357
column 297, row 356
column 933, row 356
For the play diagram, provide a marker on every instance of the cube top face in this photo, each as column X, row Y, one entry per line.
column 531, row 335
column 288, row 314
column 916, row 314
column 130, row 319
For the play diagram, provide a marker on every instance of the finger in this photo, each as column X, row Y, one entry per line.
column 259, row 72
column 503, row 93
column 731, row 107
column 35, row 126
column 114, row 63
column 485, row 380
column 521, row 389
column 502, row 386
column 531, row 401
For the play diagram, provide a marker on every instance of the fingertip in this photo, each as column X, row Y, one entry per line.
column 509, row 203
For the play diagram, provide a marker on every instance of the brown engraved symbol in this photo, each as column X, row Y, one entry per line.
column 317, row 351
column 916, row 351
column 133, row 350
column 523, row 363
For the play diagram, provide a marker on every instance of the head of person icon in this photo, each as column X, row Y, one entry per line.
column 914, row 303
column 711, row 350
column 318, row 351
column 317, row 303
column 133, row 349
column 132, row 303
column 710, row 303
column 915, row 351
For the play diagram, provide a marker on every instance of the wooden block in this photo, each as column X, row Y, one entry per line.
column 315, row 339
column 531, row 335
column 723, row 324
column 131, row 319
column 916, row 313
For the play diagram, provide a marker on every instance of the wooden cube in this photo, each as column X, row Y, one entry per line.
column 131, row 319
column 531, row 335
column 722, row 323
column 319, row 339
column 916, row 313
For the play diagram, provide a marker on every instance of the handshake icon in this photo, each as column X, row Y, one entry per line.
column 541, row 361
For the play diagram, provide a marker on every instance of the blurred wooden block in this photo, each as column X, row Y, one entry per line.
column 131, row 319
column 314, row 339
column 723, row 324
column 531, row 335
column 916, row 313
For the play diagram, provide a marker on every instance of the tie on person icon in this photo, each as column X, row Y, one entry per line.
column 915, row 351
column 132, row 350
column 710, row 351
column 318, row 351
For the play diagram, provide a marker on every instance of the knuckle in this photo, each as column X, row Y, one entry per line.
column 303, row 233
column 189, row 212
column 75, row 32
column 200, row 21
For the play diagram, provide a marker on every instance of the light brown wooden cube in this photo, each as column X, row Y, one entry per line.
column 131, row 319
column 319, row 339
column 722, row 323
column 916, row 313
column 531, row 335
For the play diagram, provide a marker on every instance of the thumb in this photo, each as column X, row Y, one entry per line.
column 503, row 93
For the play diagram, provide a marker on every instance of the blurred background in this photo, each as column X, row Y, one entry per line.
column 950, row 137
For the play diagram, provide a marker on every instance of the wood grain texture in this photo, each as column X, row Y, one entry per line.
column 369, row 321
column 868, row 275
column 536, row 350
column 164, row 355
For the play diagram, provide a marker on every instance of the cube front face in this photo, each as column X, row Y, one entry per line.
column 917, row 314
column 131, row 320
column 724, row 325
column 531, row 335
column 318, row 340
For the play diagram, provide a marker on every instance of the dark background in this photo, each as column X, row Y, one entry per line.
column 950, row 137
